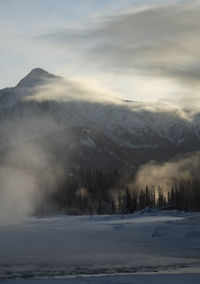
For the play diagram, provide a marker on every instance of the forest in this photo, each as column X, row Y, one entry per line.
column 97, row 192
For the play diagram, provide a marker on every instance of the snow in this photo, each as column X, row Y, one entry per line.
column 126, row 123
column 35, row 77
column 158, row 242
column 125, row 279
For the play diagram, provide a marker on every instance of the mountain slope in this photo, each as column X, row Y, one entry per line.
column 134, row 132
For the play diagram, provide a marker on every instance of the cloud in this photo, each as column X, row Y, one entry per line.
column 160, row 41
column 88, row 92
column 73, row 89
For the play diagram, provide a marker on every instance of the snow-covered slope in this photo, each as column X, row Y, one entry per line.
column 64, row 246
column 9, row 97
column 117, row 279
column 130, row 125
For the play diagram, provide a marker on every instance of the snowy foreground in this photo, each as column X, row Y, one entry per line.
column 146, row 247
column 125, row 279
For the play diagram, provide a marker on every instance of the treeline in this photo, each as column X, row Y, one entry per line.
column 97, row 192
column 185, row 194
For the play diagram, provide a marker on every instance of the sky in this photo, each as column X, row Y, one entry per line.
column 144, row 50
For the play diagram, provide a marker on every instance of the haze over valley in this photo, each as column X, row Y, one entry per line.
column 99, row 141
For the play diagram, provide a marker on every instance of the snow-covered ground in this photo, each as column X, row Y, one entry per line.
column 119, row 279
column 163, row 244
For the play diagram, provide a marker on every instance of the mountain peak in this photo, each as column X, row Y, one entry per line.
column 36, row 77
column 39, row 71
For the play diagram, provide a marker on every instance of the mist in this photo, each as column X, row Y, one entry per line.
column 27, row 171
column 163, row 175
column 65, row 90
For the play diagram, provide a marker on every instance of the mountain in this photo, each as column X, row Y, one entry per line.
column 83, row 130
column 11, row 96
column 36, row 77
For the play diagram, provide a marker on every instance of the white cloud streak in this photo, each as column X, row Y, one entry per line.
column 160, row 41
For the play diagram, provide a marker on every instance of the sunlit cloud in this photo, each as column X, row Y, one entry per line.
column 142, row 50
column 156, row 41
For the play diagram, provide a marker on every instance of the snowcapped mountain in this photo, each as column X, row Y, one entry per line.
column 120, row 133
column 11, row 96
column 36, row 77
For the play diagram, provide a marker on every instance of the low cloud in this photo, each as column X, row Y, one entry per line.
column 73, row 90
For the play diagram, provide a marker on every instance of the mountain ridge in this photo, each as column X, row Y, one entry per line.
column 142, row 127
column 35, row 77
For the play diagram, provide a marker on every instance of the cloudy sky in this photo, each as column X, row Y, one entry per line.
column 138, row 49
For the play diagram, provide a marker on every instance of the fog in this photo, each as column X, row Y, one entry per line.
column 28, row 171
column 164, row 174
column 64, row 90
